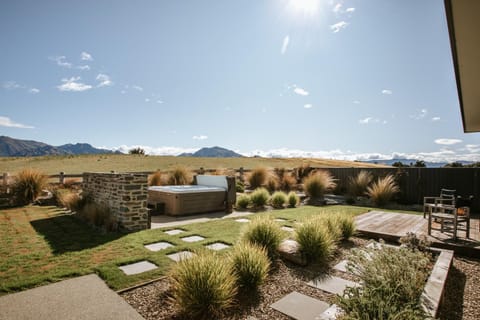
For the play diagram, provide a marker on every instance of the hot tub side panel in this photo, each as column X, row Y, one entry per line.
column 177, row 204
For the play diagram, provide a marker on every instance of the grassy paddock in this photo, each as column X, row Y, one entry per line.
column 39, row 245
column 129, row 163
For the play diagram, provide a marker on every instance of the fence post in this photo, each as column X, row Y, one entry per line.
column 240, row 172
column 62, row 177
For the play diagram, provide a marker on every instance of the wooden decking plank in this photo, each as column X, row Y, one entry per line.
column 378, row 222
column 367, row 216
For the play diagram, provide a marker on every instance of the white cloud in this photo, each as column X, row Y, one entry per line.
column 158, row 151
column 420, row 114
column 350, row 10
column 7, row 122
column 147, row 100
column 301, row 91
column 308, row 106
column 138, row 88
column 368, row 120
column 85, row 56
column 337, row 8
column 123, row 92
column 85, row 67
column 11, row 85
column 285, row 43
column 72, row 84
column 201, row 137
column 338, row 26
column 448, row 142
column 61, row 61
column 34, row 90
column 387, row 91
column 159, row 101
column 104, row 80
column 356, row 102
column 473, row 147
column 436, row 119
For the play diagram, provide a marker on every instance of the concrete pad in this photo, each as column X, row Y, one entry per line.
column 181, row 255
column 82, row 298
column 288, row 229
column 242, row 220
column 157, row 246
column 300, row 306
column 174, row 232
column 331, row 284
column 217, row 246
column 193, row 238
column 331, row 313
column 137, row 267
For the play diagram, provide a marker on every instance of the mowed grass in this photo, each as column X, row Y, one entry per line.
column 39, row 245
column 136, row 163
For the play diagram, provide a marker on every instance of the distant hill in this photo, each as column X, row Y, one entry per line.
column 213, row 152
column 407, row 162
column 10, row 147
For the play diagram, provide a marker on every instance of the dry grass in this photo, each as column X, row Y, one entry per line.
column 156, row 179
column 257, row 178
column 318, row 182
column 27, row 185
column 382, row 190
column 179, row 176
column 358, row 185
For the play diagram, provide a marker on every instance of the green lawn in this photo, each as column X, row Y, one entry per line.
column 44, row 244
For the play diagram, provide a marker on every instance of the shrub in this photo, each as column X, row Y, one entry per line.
column 203, row 286
column 347, row 226
column 98, row 215
column 292, row 199
column 67, row 199
column 27, row 186
column 239, row 186
column 357, row 186
column 317, row 183
column 392, row 283
column 383, row 190
column 257, row 178
column 71, row 183
column 304, row 171
column 316, row 244
column 155, row 179
column 287, row 182
column 264, row 232
column 138, row 150
column 278, row 199
column 259, row 197
column 272, row 183
column 243, row 201
column 250, row 265
column 179, row 176
column 411, row 241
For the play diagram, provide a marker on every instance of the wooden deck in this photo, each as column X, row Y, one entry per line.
column 392, row 226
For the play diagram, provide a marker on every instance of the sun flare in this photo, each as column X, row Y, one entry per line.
column 306, row 7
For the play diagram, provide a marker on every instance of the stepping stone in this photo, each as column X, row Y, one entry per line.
column 280, row 220
column 217, row 246
column 192, row 239
column 331, row 313
column 290, row 250
column 331, row 284
column 341, row 266
column 286, row 228
column 137, row 267
column 242, row 220
column 181, row 255
column 378, row 245
column 300, row 306
column 174, row 231
column 157, row 246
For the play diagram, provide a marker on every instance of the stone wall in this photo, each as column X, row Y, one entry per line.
column 125, row 194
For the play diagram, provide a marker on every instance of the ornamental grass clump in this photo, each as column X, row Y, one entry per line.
column 318, row 183
column 347, row 226
column 357, row 186
column 257, row 178
column 293, row 199
column 392, row 283
column 27, row 186
column 204, row 286
column 272, row 184
column 383, row 190
column 316, row 243
column 156, row 179
column 250, row 265
column 243, row 201
column 264, row 232
column 179, row 176
column 259, row 198
column 278, row 199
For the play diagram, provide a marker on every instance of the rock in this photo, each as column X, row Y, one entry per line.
column 290, row 251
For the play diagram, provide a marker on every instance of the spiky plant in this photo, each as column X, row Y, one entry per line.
column 250, row 264
column 27, row 185
column 155, row 179
column 316, row 242
column 257, row 178
column 264, row 232
column 358, row 185
column 278, row 199
column 243, row 201
column 293, row 199
column 383, row 190
column 259, row 198
column 179, row 176
column 318, row 183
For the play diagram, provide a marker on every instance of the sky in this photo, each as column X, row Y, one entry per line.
column 343, row 79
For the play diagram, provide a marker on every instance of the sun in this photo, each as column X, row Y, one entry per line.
column 306, row 7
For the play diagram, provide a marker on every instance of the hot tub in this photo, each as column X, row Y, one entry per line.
column 188, row 199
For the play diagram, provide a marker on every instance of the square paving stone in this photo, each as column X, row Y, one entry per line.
column 137, row 267
column 341, row 266
column 331, row 313
column 181, row 255
column 192, row 238
column 300, row 306
column 217, row 246
column 174, row 231
column 331, row 284
column 286, row 228
column 157, row 246
column 242, row 220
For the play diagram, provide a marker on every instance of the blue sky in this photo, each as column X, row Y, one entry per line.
column 350, row 79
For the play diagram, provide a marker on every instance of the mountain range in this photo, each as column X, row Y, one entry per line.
column 10, row 147
column 213, row 152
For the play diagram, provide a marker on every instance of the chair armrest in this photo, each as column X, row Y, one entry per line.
column 443, row 201
column 430, row 199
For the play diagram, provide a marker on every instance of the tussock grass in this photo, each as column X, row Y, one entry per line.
column 243, row 201
column 272, row 184
column 250, row 264
column 27, row 186
column 293, row 199
column 203, row 286
column 179, row 176
column 259, row 198
column 357, row 186
column 264, row 232
column 278, row 199
column 318, row 183
column 257, row 178
column 383, row 190
column 156, row 179
column 316, row 242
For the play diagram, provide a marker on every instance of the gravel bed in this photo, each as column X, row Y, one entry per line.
column 461, row 299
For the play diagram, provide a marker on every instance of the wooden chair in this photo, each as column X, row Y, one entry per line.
column 447, row 198
column 451, row 218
